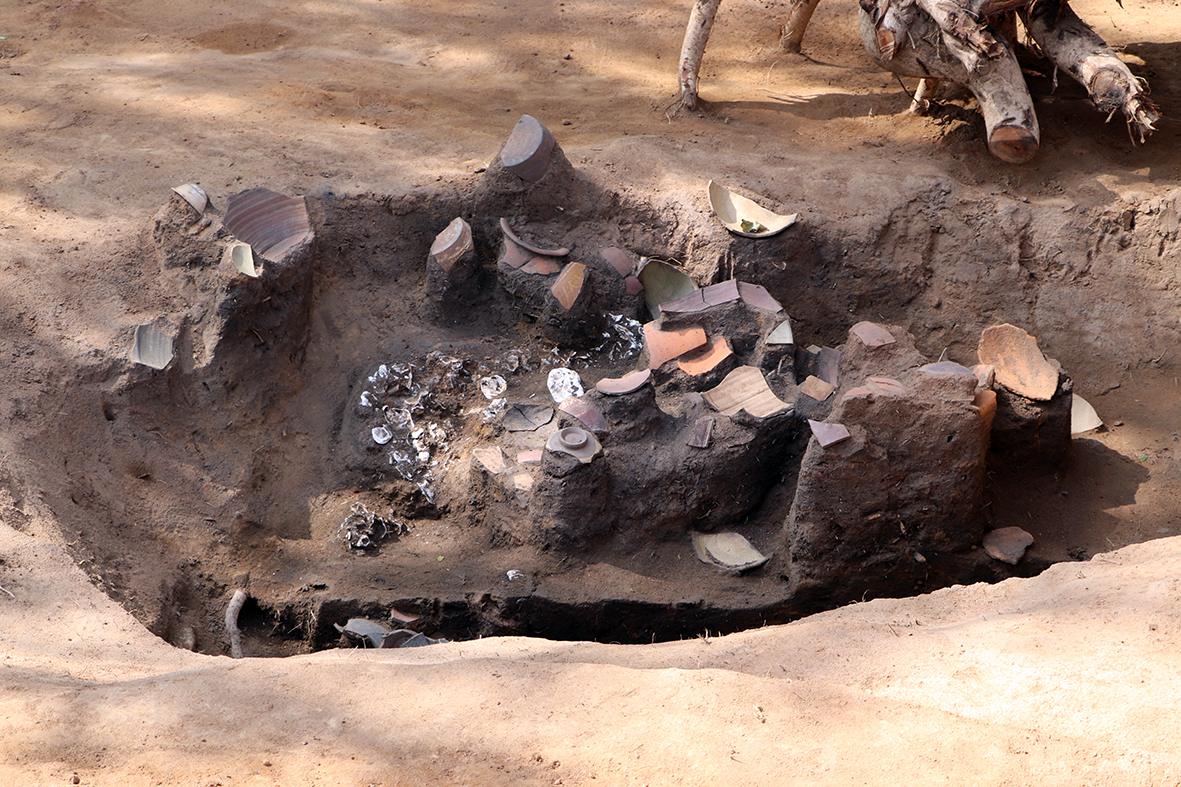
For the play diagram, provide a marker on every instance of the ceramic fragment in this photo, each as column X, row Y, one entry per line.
column 452, row 243
column 664, row 346
column 381, row 434
column 529, row 457
column 194, row 195
column 702, row 299
column 872, row 335
column 589, row 416
column 757, row 297
column 541, row 266
column 569, row 284
column 1083, row 417
column 618, row 260
column 745, row 388
column 705, row 359
column 151, row 348
column 663, row 283
column 526, row 417
column 272, row 223
column 888, row 385
column 1007, row 544
column 633, row 285
column 615, row 386
column 703, row 430
column 730, row 551
column 242, row 257
column 510, row 235
column 859, row 392
column 782, row 334
column 816, row 388
column 746, row 217
column 985, row 375
column 576, row 442
column 564, row 383
column 828, row 364
column 491, row 459
column 1020, row 365
column 528, row 149
column 949, row 368
column 828, row 434
column 515, row 255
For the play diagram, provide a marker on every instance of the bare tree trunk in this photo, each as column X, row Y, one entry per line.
column 1075, row 48
column 920, row 47
column 792, row 35
column 701, row 21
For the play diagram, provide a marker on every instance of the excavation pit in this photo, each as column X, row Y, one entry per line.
column 240, row 463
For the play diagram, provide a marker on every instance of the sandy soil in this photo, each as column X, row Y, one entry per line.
column 106, row 106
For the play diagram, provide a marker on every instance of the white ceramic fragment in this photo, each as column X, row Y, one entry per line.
column 243, row 258
column 746, row 217
column 564, row 383
column 194, row 195
column 727, row 550
column 152, row 348
column 382, row 435
column 782, row 334
column 1083, row 417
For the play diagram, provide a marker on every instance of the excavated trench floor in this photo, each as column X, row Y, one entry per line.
column 236, row 466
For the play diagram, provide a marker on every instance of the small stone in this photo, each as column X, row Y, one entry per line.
column 1007, row 544
column 816, row 388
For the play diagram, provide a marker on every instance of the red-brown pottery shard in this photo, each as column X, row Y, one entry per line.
column 1020, row 365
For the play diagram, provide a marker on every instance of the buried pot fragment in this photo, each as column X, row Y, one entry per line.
column 272, row 223
column 728, row 551
column 1020, row 365
column 745, row 388
column 370, row 632
column 1007, row 544
column 746, row 217
column 151, row 348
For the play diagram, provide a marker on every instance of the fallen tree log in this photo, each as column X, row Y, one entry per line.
column 970, row 42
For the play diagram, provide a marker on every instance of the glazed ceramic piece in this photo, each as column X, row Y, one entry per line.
column 616, row 386
column 757, row 297
column 242, row 256
column 452, row 243
column 664, row 346
column 569, row 284
column 702, row 299
column 663, row 283
column 705, row 359
column 589, row 416
column 745, row 388
column 1020, row 365
column 151, row 348
column 526, row 417
column 746, row 217
column 272, row 223
column 1083, row 417
column 872, row 335
column 730, row 551
column 508, row 233
column 194, row 195
column 816, row 388
column 828, row 434
column 542, row 266
column 782, row 334
column 1007, row 544
column 528, row 149
column 576, row 442
column 618, row 259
